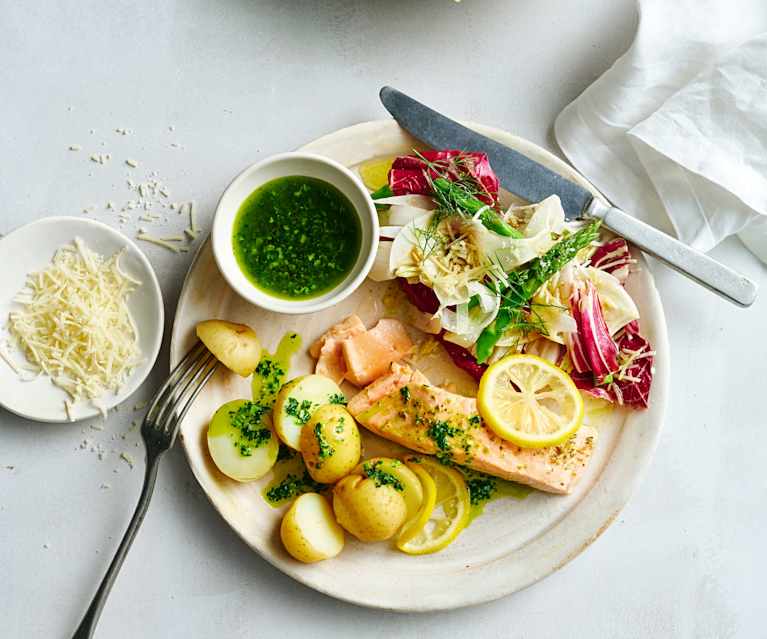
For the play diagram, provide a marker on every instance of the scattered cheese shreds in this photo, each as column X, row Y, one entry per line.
column 68, row 410
column 192, row 218
column 128, row 459
column 158, row 241
column 74, row 324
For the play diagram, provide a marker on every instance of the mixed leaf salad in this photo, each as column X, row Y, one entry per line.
column 510, row 280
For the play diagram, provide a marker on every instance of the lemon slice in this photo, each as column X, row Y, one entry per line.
column 529, row 401
column 450, row 514
column 428, row 498
column 375, row 173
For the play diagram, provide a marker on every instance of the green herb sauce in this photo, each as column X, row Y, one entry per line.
column 248, row 420
column 381, row 477
column 326, row 450
column 296, row 237
column 485, row 488
column 270, row 373
column 290, row 478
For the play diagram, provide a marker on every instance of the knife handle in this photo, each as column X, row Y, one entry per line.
column 698, row 266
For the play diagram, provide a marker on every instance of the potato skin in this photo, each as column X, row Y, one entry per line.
column 367, row 511
column 236, row 346
column 330, row 444
column 295, row 538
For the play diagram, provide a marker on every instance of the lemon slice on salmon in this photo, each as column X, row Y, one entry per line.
column 449, row 516
column 529, row 401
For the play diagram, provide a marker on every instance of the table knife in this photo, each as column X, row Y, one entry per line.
column 532, row 181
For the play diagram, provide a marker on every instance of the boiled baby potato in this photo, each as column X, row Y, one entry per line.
column 297, row 401
column 330, row 444
column 241, row 441
column 381, row 467
column 309, row 530
column 369, row 510
column 234, row 345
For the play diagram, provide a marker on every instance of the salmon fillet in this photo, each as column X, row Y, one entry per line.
column 327, row 349
column 369, row 355
column 405, row 408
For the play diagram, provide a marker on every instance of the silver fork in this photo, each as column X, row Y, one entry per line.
column 158, row 430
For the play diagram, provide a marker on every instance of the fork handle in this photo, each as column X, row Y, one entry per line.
column 88, row 624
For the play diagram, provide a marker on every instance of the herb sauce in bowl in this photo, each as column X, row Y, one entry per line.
column 295, row 233
column 296, row 237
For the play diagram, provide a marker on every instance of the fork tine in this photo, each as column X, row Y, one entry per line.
column 196, row 391
column 177, row 391
column 182, row 368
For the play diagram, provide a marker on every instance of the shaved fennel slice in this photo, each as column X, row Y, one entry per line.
column 465, row 324
column 380, row 271
column 617, row 306
column 545, row 222
column 423, row 202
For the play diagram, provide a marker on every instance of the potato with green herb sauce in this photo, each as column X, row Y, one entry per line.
column 297, row 401
column 241, row 441
column 396, row 472
column 371, row 505
column 330, row 444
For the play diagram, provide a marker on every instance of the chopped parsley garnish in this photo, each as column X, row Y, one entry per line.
column 247, row 420
column 337, row 398
column 481, row 489
column 302, row 412
column 404, row 393
column 268, row 366
column 381, row 477
column 326, row 450
column 292, row 486
column 474, row 420
column 439, row 432
column 271, row 374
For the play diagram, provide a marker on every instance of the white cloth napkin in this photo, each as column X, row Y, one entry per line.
column 679, row 123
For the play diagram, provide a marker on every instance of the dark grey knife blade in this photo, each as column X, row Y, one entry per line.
column 517, row 173
column 534, row 182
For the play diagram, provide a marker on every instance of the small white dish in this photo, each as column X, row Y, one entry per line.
column 31, row 248
column 284, row 165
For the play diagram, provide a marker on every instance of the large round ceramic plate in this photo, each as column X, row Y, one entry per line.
column 515, row 542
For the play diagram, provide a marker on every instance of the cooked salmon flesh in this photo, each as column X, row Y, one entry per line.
column 350, row 351
column 404, row 407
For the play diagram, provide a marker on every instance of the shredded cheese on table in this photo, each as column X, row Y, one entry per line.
column 74, row 324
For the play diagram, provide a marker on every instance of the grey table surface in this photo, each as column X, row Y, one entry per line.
column 206, row 88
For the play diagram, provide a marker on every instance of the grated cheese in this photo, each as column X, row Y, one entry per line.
column 145, row 237
column 74, row 324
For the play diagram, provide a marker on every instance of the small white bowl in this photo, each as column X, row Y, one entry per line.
column 30, row 248
column 284, row 165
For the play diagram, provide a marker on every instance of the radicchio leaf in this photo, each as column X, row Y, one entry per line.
column 420, row 296
column 634, row 382
column 424, row 299
column 408, row 174
column 614, row 257
column 463, row 358
column 631, row 384
column 591, row 347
